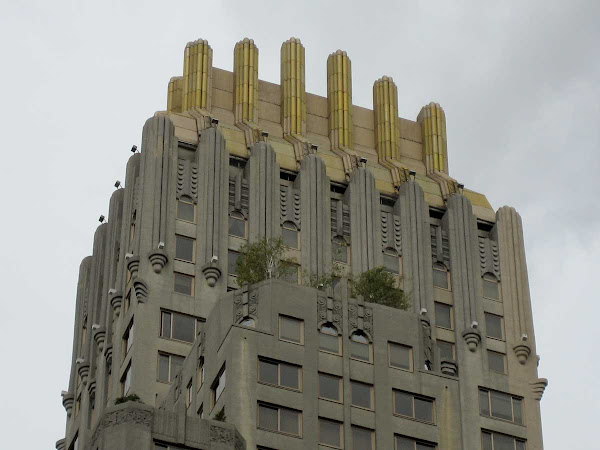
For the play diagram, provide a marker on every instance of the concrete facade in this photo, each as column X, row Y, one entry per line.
column 235, row 160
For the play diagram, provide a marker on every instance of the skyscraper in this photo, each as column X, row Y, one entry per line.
column 169, row 352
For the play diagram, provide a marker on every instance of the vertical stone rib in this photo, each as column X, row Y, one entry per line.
column 264, row 193
column 197, row 75
column 316, row 216
column 175, row 95
column 365, row 232
column 387, row 124
column 433, row 131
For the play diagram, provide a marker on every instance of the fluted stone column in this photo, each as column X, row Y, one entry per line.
column 245, row 89
column 197, row 76
column 264, row 193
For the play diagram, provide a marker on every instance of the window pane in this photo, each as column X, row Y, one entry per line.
column 184, row 327
column 267, row 417
column 160, row 447
column 339, row 251
column 423, row 410
column 185, row 211
column 362, row 439
column 163, row 368
column 329, row 343
column 288, row 421
column 176, row 363
column 490, row 289
column 496, row 361
column 520, row 445
column 267, row 372
column 403, row 443
column 329, row 387
column 484, row 403
column 289, row 237
column 184, row 248
column 440, row 278
column 360, row 351
column 290, row 329
column 486, row 441
column 518, row 410
column 248, row 322
column 493, row 326
column 446, row 350
column 329, row 433
column 400, row 356
column 443, row 315
column 237, row 226
column 391, row 263
column 503, row 442
column 361, row 395
column 421, row 446
column 289, row 376
column 501, row 405
column 232, row 262
column 165, row 330
column 403, row 403
column 183, row 283
column 220, row 386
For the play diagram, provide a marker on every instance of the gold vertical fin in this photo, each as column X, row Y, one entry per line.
column 245, row 85
column 197, row 76
column 175, row 95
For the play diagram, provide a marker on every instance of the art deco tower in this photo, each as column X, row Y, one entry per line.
column 166, row 344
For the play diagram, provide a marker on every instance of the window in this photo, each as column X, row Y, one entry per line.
column 291, row 330
column 441, row 276
column 360, row 347
column 168, row 366
column 290, row 235
column 400, row 356
column 279, row 419
column 330, row 387
column 248, row 322
column 331, row 433
column 237, row 224
column 340, row 250
column 443, row 316
column 186, row 210
column 75, row 444
column 78, row 404
column 445, row 350
column 491, row 287
column 391, row 261
column 493, row 326
column 497, row 441
column 126, row 380
column 407, row 443
column 290, row 272
column 200, row 373
column 363, row 438
column 218, row 386
column 500, row 406
column 362, row 394
column 232, row 258
column 184, row 248
column 329, row 340
column 128, row 339
column 178, row 326
column 188, row 396
column 496, row 361
column 201, row 411
column 413, row 406
column 279, row 374
column 184, row 284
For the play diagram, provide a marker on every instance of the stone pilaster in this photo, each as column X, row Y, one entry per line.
column 264, row 193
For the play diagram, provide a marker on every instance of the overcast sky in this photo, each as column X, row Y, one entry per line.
column 519, row 82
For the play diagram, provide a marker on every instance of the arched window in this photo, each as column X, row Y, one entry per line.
column 491, row 286
column 391, row 261
column 248, row 322
column 237, row 224
column 340, row 250
column 360, row 347
column 290, row 235
column 441, row 276
column 329, row 340
column 186, row 210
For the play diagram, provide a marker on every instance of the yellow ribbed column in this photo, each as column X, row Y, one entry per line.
column 387, row 124
column 197, row 75
column 339, row 99
column 293, row 91
column 433, row 131
column 175, row 95
column 245, row 81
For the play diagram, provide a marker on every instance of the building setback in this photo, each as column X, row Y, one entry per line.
column 233, row 160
